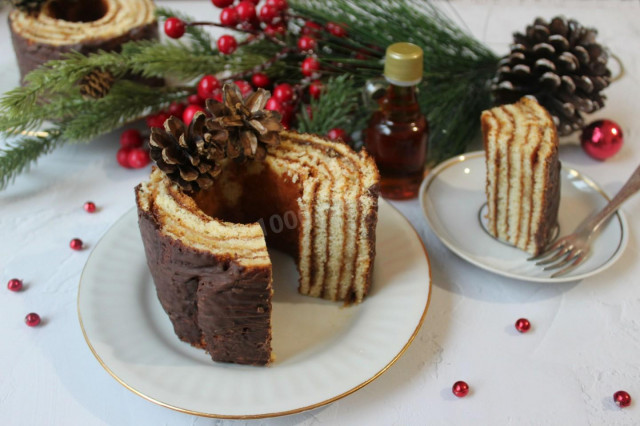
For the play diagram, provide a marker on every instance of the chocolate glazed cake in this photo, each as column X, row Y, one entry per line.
column 523, row 174
column 85, row 26
column 207, row 251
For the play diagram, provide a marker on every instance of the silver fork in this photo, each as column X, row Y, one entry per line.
column 570, row 251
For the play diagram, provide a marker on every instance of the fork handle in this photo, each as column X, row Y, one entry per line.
column 631, row 186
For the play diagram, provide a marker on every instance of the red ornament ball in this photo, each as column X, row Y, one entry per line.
column 89, row 207
column 174, row 27
column 229, row 17
column 246, row 11
column 138, row 158
column 222, row 3
column 306, row 43
column 131, row 139
column 76, row 244
column 280, row 5
column 14, row 284
column 122, row 156
column 176, row 109
column 32, row 319
column 337, row 134
column 260, row 79
column 523, row 325
column 622, row 398
column 310, row 66
column 602, row 139
column 189, row 112
column 315, row 89
column 227, row 44
column 460, row 389
column 268, row 14
column 283, row 93
column 207, row 86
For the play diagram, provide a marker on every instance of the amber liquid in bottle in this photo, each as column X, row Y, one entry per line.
column 397, row 137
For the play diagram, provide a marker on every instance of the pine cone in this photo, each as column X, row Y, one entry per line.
column 28, row 6
column 184, row 155
column 561, row 65
column 245, row 126
column 96, row 84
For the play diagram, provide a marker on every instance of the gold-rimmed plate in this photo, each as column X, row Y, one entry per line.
column 454, row 203
column 323, row 350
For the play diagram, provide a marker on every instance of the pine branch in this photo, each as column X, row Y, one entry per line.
column 17, row 156
column 202, row 42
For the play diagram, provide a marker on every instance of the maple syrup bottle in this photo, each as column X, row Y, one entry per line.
column 397, row 133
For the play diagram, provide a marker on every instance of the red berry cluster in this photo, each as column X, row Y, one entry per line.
column 132, row 154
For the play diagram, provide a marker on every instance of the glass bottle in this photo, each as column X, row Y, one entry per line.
column 397, row 132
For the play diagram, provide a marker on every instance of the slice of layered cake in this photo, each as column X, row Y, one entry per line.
column 523, row 174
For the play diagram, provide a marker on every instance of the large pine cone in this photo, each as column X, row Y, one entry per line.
column 561, row 65
column 184, row 155
column 244, row 125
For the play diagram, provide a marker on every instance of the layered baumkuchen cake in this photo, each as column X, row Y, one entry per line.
column 315, row 199
column 523, row 174
column 86, row 26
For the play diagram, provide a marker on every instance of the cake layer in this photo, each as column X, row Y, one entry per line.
column 522, row 187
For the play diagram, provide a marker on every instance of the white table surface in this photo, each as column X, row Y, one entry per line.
column 584, row 344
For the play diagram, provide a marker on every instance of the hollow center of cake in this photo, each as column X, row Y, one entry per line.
column 77, row 10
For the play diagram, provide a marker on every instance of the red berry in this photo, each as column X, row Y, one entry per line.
column 255, row 2
column 283, row 92
column 622, row 398
column 195, row 99
column 245, row 87
column 337, row 134
column 229, row 17
column 174, row 27
column 310, row 66
column 337, row 30
column 89, row 207
column 260, row 79
column 227, row 44
column 131, row 139
column 523, row 325
column 76, row 243
column 218, row 96
column 268, row 14
column 274, row 30
column 189, row 112
column 14, row 284
column 176, row 109
column 207, row 86
column 315, row 89
column 311, row 28
column 246, row 11
column 222, row 3
column 460, row 389
column 32, row 319
column 123, row 157
column 279, row 5
column 306, row 43
column 274, row 105
column 138, row 158
column 157, row 120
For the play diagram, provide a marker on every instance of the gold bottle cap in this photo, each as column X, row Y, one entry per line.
column 403, row 64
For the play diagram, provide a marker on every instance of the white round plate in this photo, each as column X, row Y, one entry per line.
column 454, row 202
column 323, row 350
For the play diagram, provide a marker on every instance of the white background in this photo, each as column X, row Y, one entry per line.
column 584, row 344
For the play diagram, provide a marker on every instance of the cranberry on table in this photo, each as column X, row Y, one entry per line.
column 227, row 44
column 32, row 319
column 76, row 244
column 315, row 89
column 310, row 66
column 523, row 325
column 260, row 79
column 138, row 158
column 89, row 207
column 131, row 139
column 622, row 398
column 174, row 27
column 246, row 11
column 189, row 112
column 207, row 86
column 283, row 92
column 222, row 3
column 460, row 389
column 229, row 17
column 306, row 43
column 14, row 284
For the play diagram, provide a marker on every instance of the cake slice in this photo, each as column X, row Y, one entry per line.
column 523, row 174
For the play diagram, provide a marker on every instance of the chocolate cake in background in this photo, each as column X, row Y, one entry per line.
column 523, row 174
column 86, row 26
column 317, row 201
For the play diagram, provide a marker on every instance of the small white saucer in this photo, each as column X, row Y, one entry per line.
column 453, row 200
